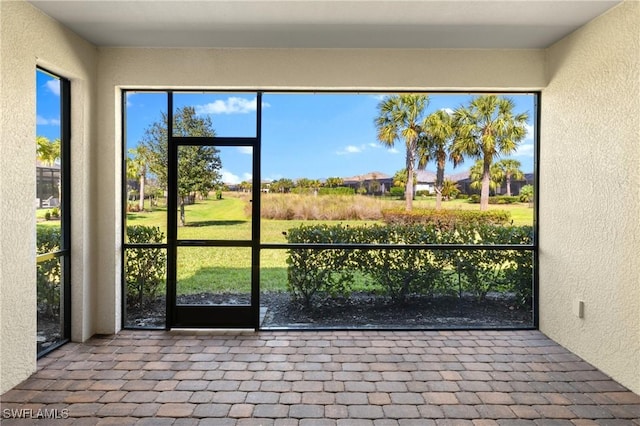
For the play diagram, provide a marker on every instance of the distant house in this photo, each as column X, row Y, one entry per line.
column 425, row 181
column 47, row 185
column 464, row 184
column 376, row 183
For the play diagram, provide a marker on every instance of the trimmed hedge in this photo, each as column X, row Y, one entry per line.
column 48, row 273
column 400, row 272
column 340, row 190
column 145, row 268
column 497, row 199
column 445, row 219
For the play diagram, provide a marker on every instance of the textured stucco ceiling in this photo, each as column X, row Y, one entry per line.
column 491, row 24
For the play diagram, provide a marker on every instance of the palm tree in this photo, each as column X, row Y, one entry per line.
column 434, row 144
column 137, row 169
column 526, row 194
column 449, row 189
column 476, row 174
column 333, row 182
column 511, row 170
column 400, row 117
column 48, row 151
column 485, row 129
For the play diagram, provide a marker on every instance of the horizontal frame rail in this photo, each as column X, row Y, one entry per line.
column 214, row 243
column 51, row 256
column 365, row 246
column 145, row 245
column 334, row 246
column 213, row 141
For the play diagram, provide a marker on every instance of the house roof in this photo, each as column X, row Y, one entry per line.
column 367, row 176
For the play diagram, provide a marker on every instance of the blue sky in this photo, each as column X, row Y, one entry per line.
column 47, row 106
column 303, row 134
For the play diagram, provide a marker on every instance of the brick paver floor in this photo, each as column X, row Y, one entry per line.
column 320, row 378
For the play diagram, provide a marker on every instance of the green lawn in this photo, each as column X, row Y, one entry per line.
column 228, row 269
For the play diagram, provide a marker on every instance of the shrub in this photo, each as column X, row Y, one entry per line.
column 340, row 190
column 504, row 199
column 397, row 191
column 48, row 273
column 519, row 274
column 445, row 219
column 402, row 271
column 145, row 268
column 47, row 215
column 133, row 207
column 526, row 194
column 423, row 193
column 55, row 212
column 497, row 199
column 312, row 271
column 474, row 198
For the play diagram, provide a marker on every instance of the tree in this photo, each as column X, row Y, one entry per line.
column 304, row 183
column 511, row 170
column 400, row 178
column 246, row 186
column 282, row 185
column 137, row 169
column 333, row 182
column 400, row 117
column 526, row 194
column 48, row 151
column 476, row 173
column 198, row 166
column 485, row 129
column 434, row 144
column 449, row 189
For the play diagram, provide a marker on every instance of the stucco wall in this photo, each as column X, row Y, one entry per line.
column 590, row 194
column 29, row 38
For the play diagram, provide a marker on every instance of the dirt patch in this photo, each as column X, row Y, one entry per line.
column 359, row 311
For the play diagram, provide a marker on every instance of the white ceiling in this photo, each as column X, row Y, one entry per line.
column 496, row 24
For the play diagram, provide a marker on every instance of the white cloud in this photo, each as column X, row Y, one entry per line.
column 232, row 105
column 233, row 179
column 393, row 151
column 525, row 150
column 448, row 111
column 53, row 86
column 41, row 121
column 229, row 178
column 245, row 150
column 379, row 97
column 530, row 132
column 374, row 145
column 129, row 102
column 350, row 149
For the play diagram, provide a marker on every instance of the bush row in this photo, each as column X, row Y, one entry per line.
column 400, row 272
column 497, row 199
column 340, row 190
column 48, row 273
column 145, row 269
column 445, row 218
